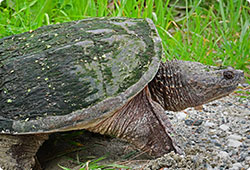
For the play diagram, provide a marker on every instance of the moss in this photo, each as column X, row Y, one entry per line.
column 58, row 69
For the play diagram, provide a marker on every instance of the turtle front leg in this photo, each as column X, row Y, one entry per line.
column 17, row 152
column 143, row 123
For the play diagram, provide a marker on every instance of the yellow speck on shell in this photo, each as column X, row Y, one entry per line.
column 9, row 101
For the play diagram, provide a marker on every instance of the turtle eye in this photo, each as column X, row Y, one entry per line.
column 228, row 75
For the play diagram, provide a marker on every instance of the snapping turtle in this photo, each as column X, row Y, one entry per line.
column 103, row 75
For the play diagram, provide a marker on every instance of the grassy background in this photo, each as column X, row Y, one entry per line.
column 214, row 32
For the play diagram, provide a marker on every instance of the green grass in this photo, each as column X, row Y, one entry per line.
column 94, row 165
column 212, row 32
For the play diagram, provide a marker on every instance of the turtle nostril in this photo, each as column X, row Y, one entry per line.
column 228, row 75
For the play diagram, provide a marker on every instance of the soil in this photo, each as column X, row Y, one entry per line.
column 70, row 148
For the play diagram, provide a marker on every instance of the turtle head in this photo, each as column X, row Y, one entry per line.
column 188, row 84
column 207, row 83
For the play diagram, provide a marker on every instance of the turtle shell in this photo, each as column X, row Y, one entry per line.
column 68, row 76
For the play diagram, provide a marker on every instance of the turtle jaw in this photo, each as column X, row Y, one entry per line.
column 219, row 95
column 143, row 123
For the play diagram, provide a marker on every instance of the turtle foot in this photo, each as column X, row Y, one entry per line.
column 17, row 152
column 143, row 123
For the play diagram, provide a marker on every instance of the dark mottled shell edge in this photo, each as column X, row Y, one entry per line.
column 82, row 119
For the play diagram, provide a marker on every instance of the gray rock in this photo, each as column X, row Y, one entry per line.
column 243, row 156
column 244, row 85
column 235, row 137
column 224, row 154
column 234, row 143
column 181, row 115
column 236, row 166
column 190, row 122
column 224, row 127
column 209, row 124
